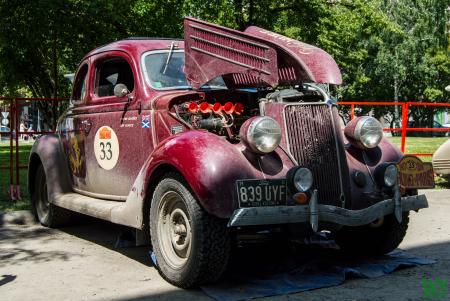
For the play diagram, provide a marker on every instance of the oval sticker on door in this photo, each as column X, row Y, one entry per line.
column 106, row 147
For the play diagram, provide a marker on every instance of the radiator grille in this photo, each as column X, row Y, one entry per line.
column 312, row 143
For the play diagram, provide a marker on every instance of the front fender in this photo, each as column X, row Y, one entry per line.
column 366, row 161
column 47, row 150
column 211, row 165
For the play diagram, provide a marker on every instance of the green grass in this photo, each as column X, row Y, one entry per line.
column 416, row 145
column 5, row 202
column 413, row 145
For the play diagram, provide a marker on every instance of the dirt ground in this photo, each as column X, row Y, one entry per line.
column 81, row 263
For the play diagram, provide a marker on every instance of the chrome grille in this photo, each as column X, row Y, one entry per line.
column 311, row 141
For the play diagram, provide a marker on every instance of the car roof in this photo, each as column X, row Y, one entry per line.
column 138, row 44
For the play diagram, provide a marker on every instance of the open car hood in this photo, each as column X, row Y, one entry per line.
column 255, row 57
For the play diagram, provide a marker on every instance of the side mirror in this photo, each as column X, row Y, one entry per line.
column 120, row 90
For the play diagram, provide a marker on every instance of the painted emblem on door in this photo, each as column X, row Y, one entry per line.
column 106, row 147
column 76, row 156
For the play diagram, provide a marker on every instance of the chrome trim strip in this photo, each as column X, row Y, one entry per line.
column 288, row 154
column 336, row 144
column 100, row 195
column 296, row 214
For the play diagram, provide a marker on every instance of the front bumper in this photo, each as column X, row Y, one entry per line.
column 314, row 213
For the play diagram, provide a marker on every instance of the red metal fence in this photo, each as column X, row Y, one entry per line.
column 14, row 134
column 14, row 113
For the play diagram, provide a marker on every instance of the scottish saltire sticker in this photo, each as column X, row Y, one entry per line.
column 145, row 123
column 106, row 147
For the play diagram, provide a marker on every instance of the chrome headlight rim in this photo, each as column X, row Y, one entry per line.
column 252, row 139
column 390, row 175
column 363, row 138
column 296, row 174
column 386, row 174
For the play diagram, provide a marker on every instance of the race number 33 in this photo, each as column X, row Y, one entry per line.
column 106, row 147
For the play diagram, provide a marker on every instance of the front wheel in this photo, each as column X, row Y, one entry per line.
column 191, row 246
column 377, row 238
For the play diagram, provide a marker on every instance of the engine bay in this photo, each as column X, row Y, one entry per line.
column 223, row 111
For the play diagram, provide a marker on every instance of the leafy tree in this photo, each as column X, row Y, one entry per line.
column 386, row 49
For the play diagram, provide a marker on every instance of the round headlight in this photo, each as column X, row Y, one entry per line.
column 390, row 175
column 368, row 131
column 386, row 174
column 300, row 178
column 263, row 135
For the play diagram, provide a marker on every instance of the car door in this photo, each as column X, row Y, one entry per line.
column 74, row 127
column 117, row 129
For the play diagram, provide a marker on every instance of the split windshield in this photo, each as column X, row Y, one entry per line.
column 164, row 70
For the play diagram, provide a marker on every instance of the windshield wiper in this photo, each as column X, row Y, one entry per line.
column 172, row 46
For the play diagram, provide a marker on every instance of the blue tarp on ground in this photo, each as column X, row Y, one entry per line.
column 302, row 276
column 279, row 269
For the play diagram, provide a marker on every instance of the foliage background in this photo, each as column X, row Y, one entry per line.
column 386, row 49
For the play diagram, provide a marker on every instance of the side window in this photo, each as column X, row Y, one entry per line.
column 110, row 73
column 79, row 86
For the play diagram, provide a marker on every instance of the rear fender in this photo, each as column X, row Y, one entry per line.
column 48, row 151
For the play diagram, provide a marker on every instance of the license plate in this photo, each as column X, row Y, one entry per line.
column 413, row 173
column 258, row 193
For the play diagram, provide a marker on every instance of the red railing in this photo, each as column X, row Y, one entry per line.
column 14, row 134
column 405, row 117
column 14, row 113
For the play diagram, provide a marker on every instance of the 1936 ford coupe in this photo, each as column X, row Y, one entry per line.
column 192, row 141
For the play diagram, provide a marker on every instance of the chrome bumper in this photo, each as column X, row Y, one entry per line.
column 314, row 213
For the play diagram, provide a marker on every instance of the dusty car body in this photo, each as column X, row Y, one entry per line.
column 441, row 160
column 192, row 141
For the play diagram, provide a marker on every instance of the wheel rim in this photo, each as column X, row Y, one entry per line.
column 174, row 230
column 42, row 203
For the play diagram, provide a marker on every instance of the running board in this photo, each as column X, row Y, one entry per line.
column 127, row 213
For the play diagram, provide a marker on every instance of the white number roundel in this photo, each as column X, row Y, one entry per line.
column 106, row 147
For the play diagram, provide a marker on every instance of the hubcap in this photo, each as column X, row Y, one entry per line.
column 174, row 230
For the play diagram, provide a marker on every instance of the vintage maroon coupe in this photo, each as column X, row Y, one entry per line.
column 192, row 142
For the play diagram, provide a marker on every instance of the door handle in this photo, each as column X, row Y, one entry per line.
column 86, row 126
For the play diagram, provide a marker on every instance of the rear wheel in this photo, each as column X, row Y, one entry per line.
column 47, row 213
column 377, row 238
column 191, row 246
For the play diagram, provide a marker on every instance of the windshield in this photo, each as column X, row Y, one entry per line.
column 163, row 72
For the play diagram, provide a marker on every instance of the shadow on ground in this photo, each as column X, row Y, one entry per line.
column 273, row 257
column 13, row 252
column 106, row 234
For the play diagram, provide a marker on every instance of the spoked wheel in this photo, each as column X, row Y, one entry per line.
column 191, row 246
column 174, row 230
column 47, row 213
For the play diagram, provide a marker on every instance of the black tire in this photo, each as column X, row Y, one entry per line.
column 46, row 213
column 175, row 212
column 372, row 239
